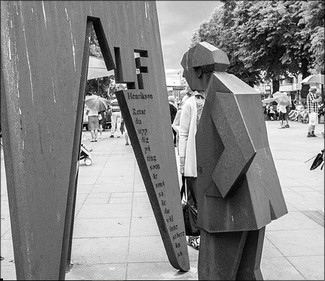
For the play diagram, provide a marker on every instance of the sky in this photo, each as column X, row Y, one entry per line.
column 178, row 21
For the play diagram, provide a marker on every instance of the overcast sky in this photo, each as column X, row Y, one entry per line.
column 177, row 22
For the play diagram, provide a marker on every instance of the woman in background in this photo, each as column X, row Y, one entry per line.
column 189, row 121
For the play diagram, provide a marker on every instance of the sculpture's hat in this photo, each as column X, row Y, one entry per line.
column 206, row 56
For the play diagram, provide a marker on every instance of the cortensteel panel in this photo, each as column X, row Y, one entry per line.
column 44, row 56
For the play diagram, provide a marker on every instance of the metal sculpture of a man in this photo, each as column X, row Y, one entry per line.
column 238, row 190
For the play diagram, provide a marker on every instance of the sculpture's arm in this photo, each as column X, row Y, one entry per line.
column 239, row 150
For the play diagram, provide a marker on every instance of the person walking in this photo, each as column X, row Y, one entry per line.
column 288, row 108
column 189, row 121
column 93, row 121
column 115, row 117
column 283, row 116
column 125, row 132
column 312, row 108
column 270, row 112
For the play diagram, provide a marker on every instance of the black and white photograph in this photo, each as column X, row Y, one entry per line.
column 162, row 140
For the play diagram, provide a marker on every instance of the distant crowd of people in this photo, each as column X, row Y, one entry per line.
column 311, row 111
column 185, row 116
column 97, row 120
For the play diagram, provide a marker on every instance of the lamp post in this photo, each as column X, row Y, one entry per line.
column 180, row 77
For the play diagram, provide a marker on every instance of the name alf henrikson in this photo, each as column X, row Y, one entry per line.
column 139, row 96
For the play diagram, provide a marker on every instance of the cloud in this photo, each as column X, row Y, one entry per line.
column 173, row 76
column 172, row 71
column 178, row 21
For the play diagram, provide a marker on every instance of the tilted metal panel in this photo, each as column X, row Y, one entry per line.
column 42, row 64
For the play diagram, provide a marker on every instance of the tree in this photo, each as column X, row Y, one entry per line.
column 270, row 40
column 99, row 85
column 219, row 32
column 270, row 37
column 313, row 16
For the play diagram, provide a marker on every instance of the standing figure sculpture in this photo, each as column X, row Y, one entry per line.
column 238, row 190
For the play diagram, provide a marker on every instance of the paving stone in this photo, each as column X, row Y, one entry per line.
column 279, row 269
column 289, row 222
column 298, row 242
column 142, row 209
column 141, row 251
column 8, row 272
column 144, row 226
column 118, row 200
column 317, row 216
column 105, row 211
column 96, row 201
column 159, row 271
column 96, row 228
column 94, row 251
column 112, row 187
column 106, row 271
column 269, row 250
column 84, row 188
column 7, row 253
column 311, row 267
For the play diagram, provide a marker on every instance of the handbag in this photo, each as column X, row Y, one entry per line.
column 122, row 127
column 189, row 213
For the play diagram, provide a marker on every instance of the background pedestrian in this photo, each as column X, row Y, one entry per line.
column 313, row 99
column 115, row 117
column 189, row 121
column 93, row 122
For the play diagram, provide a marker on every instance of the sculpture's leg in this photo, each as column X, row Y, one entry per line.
column 249, row 267
column 220, row 255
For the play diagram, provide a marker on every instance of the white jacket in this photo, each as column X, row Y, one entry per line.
column 187, row 132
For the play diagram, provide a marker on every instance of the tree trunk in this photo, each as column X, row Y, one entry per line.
column 304, row 90
column 275, row 84
column 305, row 73
column 304, row 68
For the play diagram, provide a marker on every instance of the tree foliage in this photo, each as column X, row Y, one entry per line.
column 267, row 39
column 313, row 15
column 98, row 86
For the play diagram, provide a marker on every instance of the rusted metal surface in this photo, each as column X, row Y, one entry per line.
column 238, row 190
column 254, row 197
column 44, row 56
column 149, row 131
column 238, row 187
